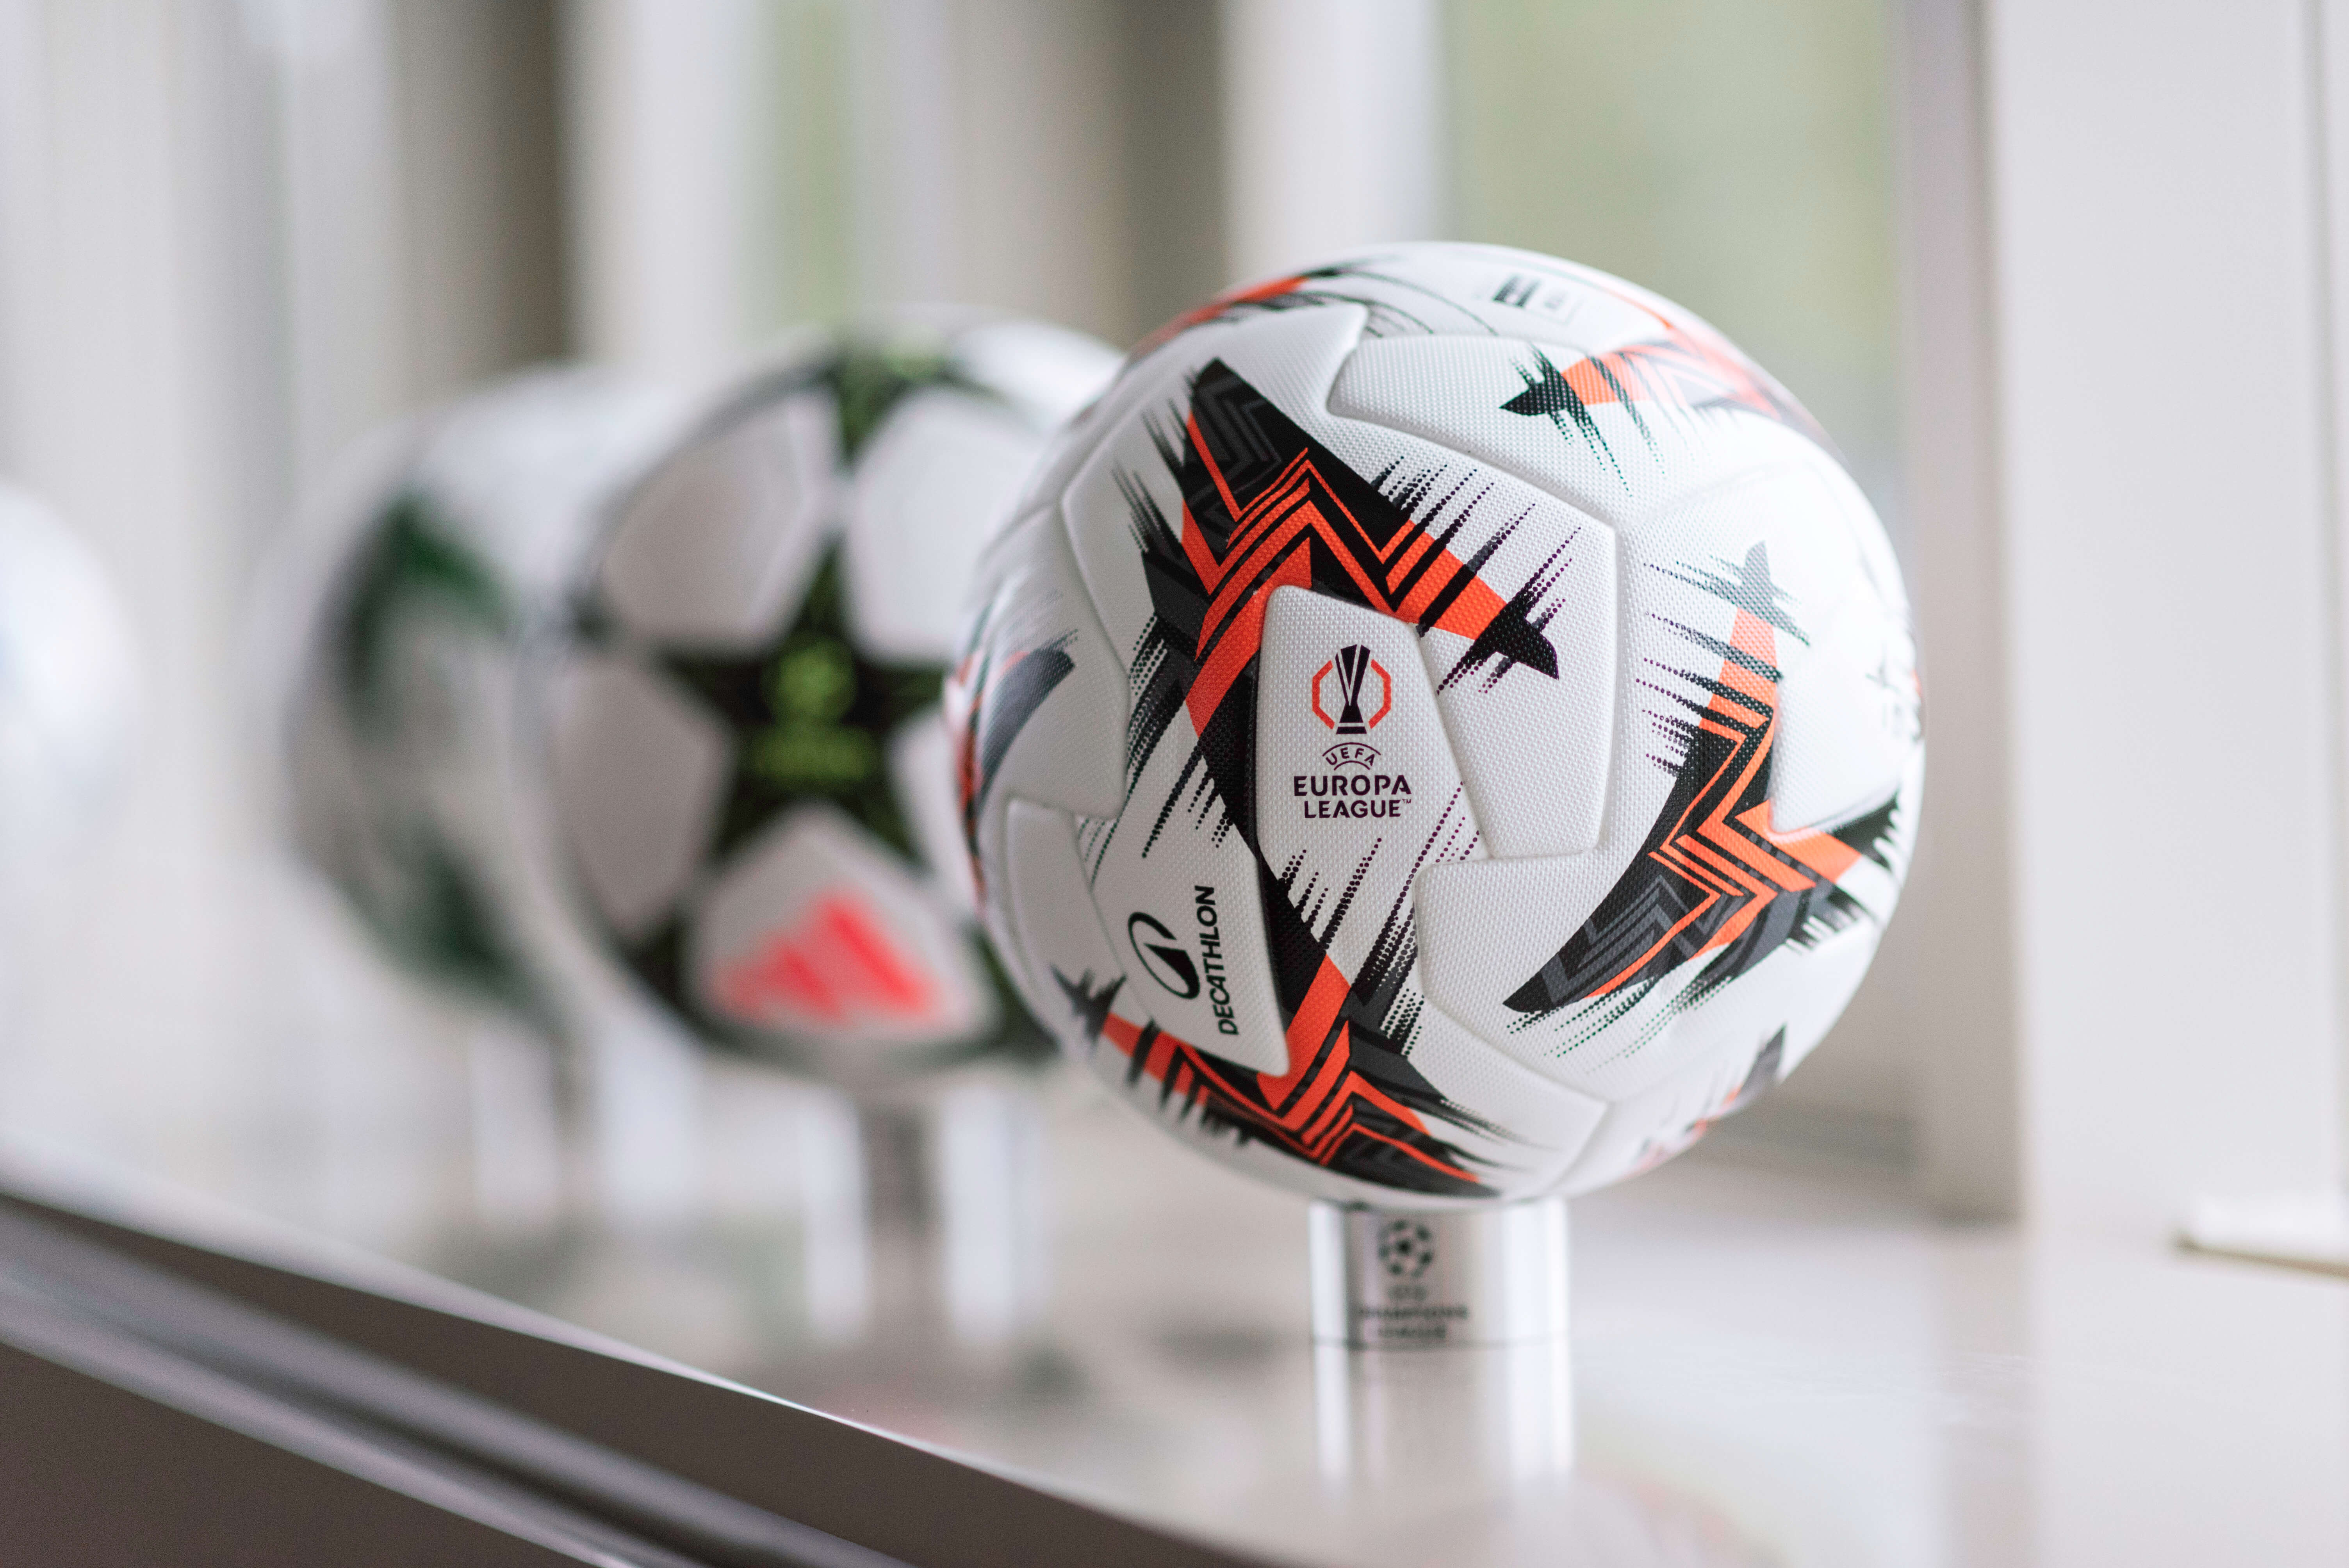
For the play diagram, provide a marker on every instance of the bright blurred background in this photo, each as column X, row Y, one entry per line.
column 236, row 238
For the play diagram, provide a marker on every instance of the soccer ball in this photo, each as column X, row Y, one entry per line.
column 749, row 770
column 68, row 696
column 450, row 545
column 1443, row 727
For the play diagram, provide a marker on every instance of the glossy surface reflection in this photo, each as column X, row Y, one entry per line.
column 1438, row 1278
column 1770, row 1362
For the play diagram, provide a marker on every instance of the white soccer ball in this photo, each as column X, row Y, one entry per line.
column 413, row 606
column 1443, row 727
column 749, row 767
column 68, row 695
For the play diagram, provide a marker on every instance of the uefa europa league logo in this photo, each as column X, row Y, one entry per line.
column 1343, row 678
column 1340, row 684
column 1354, row 662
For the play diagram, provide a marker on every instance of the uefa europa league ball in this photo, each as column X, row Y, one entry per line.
column 1444, row 726
column 446, row 553
column 749, row 768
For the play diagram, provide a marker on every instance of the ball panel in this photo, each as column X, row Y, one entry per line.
column 1049, row 372
column 1486, row 399
column 1472, row 962
column 1843, row 686
column 1041, row 912
column 721, row 540
column 1701, row 887
column 1538, row 1127
column 1036, row 705
column 1631, row 1042
column 1038, row 700
column 1356, row 787
column 929, row 485
column 1166, row 884
column 1880, row 565
column 1627, row 463
column 522, row 471
column 636, row 772
column 1809, row 990
column 1536, row 742
column 921, row 769
column 1524, row 294
column 1643, row 1130
column 1848, row 717
column 1126, row 484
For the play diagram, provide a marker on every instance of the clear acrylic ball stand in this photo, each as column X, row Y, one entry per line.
column 1441, row 1352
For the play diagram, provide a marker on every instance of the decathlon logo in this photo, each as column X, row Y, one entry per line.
column 1161, row 956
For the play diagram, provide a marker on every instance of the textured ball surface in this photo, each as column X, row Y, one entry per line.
column 1443, row 727
column 749, row 767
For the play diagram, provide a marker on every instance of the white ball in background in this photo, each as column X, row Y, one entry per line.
column 418, row 593
column 68, row 693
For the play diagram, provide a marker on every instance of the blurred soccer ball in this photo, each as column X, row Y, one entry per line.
column 1444, row 727
column 68, row 693
column 749, row 766
column 452, row 546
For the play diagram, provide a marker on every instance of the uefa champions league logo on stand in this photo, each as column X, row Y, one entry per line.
column 1483, row 1276
column 1407, row 1248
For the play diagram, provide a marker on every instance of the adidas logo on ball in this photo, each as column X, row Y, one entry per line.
column 837, row 964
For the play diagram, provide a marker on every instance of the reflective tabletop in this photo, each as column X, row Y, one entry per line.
column 1775, row 1358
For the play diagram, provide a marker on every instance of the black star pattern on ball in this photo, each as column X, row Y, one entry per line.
column 814, row 712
